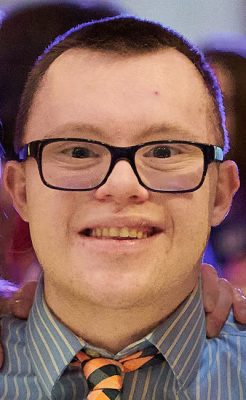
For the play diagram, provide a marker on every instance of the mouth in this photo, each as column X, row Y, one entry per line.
column 120, row 233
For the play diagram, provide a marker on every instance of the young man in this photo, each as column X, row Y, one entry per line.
column 120, row 138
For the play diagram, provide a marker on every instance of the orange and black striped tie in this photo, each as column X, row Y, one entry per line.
column 105, row 376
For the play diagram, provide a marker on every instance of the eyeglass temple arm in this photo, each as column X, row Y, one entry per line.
column 28, row 150
column 218, row 154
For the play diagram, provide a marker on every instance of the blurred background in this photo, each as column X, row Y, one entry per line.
column 218, row 27
column 196, row 19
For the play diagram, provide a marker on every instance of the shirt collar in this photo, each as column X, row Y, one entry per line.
column 180, row 340
column 50, row 344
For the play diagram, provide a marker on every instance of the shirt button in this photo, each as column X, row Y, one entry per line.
column 92, row 353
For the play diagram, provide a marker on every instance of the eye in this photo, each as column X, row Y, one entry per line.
column 161, row 151
column 81, row 152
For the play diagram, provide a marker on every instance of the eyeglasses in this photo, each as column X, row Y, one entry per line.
column 160, row 166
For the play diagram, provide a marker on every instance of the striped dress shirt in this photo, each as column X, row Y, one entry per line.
column 38, row 353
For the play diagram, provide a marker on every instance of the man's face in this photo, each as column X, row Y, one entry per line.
column 123, row 102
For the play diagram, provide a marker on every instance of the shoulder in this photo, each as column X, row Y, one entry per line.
column 16, row 373
column 229, row 346
column 12, row 330
column 13, row 337
column 222, row 370
column 233, row 328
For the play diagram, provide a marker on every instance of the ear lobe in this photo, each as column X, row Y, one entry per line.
column 14, row 180
column 227, row 185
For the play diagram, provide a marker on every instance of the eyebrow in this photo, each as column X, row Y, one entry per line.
column 166, row 130
column 171, row 131
column 75, row 128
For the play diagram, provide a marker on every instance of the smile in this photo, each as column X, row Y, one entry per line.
column 122, row 233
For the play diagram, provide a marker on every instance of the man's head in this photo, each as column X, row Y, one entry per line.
column 122, row 82
column 120, row 36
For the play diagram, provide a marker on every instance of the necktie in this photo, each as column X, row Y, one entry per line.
column 105, row 376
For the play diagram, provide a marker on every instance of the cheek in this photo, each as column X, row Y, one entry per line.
column 48, row 226
column 191, row 215
column 49, row 213
column 190, row 220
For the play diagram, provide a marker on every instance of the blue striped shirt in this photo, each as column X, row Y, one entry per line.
column 38, row 353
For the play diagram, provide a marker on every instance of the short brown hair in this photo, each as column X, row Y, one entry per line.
column 124, row 36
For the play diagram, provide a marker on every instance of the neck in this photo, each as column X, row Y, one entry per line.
column 108, row 328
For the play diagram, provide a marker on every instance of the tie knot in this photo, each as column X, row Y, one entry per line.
column 105, row 376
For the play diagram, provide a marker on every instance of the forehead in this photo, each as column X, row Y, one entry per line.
column 123, row 98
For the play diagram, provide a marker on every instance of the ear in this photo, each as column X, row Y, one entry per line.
column 227, row 185
column 14, row 179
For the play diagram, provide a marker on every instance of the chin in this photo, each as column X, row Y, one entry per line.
column 113, row 294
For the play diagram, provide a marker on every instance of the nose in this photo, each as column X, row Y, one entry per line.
column 122, row 185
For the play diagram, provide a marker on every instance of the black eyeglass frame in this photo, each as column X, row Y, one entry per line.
column 211, row 153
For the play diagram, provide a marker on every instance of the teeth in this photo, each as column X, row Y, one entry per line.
column 98, row 232
column 105, row 232
column 139, row 234
column 133, row 233
column 118, row 232
column 124, row 232
column 114, row 232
